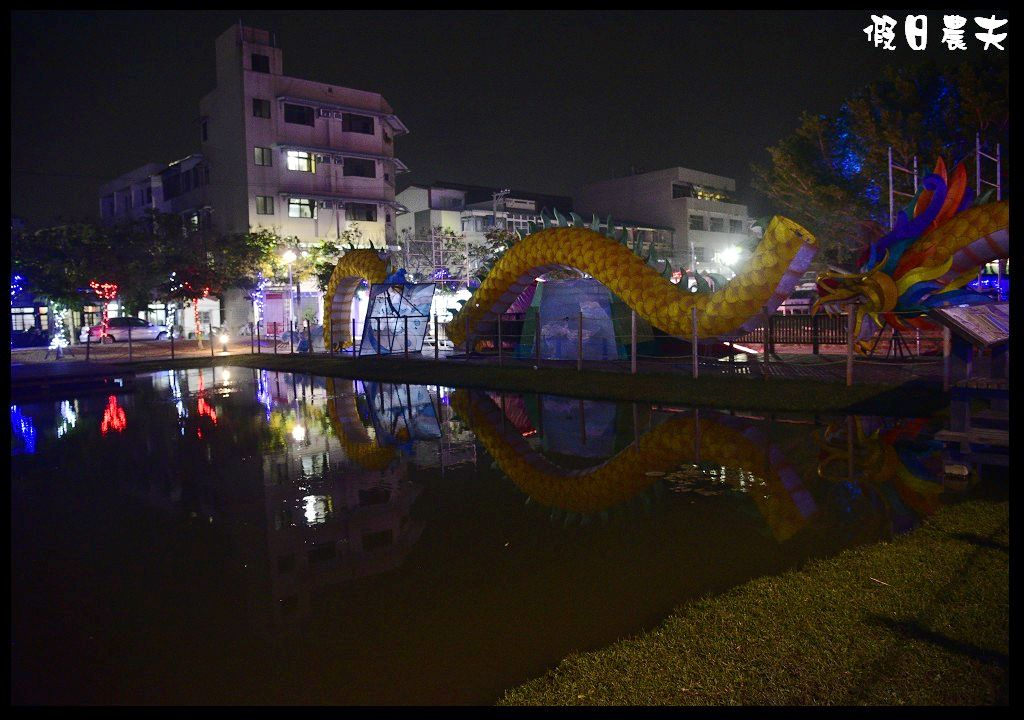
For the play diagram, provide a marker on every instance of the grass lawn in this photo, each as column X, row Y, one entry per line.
column 741, row 393
column 921, row 620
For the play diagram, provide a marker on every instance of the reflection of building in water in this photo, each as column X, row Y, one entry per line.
column 333, row 517
column 302, row 481
column 333, row 528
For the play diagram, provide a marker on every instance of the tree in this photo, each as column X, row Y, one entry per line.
column 831, row 174
column 206, row 264
column 444, row 251
column 59, row 262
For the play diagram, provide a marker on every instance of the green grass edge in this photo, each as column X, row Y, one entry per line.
column 920, row 620
column 739, row 393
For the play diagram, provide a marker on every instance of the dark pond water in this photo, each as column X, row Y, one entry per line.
column 239, row 536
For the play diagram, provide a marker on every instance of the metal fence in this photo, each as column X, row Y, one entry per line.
column 814, row 330
column 568, row 342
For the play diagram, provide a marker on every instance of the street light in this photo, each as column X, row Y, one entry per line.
column 289, row 257
column 729, row 256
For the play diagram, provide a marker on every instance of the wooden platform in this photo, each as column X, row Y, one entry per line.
column 976, row 436
column 983, row 383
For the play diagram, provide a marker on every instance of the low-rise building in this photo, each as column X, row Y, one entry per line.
column 709, row 229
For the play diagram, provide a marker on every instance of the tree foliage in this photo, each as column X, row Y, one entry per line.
column 156, row 257
column 831, row 173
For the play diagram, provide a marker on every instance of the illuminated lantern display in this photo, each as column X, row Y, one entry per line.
column 939, row 243
column 105, row 292
column 351, row 270
column 775, row 268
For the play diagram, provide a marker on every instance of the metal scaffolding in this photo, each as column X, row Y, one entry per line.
column 893, row 191
column 980, row 182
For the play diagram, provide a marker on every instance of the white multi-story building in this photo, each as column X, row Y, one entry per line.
column 711, row 231
column 304, row 158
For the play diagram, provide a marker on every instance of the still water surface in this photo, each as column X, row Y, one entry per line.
column 230, row 535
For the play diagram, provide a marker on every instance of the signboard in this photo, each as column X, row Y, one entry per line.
column 514, row 204
column 984, row 325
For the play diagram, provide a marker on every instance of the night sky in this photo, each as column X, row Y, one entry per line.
column 537, row 101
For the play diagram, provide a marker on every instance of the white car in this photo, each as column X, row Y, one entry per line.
column 117, row 331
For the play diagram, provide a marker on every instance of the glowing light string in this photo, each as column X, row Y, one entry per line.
column 105, row 292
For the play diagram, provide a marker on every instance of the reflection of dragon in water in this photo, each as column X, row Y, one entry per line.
column 937, row 246
column 784, row 502
column 892, row 466
column 350, row 431
column 774, row 269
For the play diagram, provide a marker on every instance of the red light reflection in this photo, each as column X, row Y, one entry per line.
column 113, row 417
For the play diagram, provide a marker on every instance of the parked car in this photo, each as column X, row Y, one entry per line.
column 29, row 338
column 800, row 300
column 117, row 331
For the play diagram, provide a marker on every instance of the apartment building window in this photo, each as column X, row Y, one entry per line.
column 698, row 253
column 717, row 224
column 361, row 211
column 23, row 318
column 260, row 63
column 203, row 128
column 195, row 176
column 260, row 108
column 262, row 156
column 149, row 196
column 736, row 226
column 264, row 205
column 696, row 222
column 682, row 190
column 359, row 167
column 301, row 161
column 301, row 208
column 298, row 114
column 357, row 123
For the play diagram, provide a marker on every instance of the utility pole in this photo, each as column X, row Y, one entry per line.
column 495, row 196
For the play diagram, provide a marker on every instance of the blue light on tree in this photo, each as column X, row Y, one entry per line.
column 17, row 285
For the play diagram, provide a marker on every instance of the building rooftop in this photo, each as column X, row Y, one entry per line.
column 484, row 193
